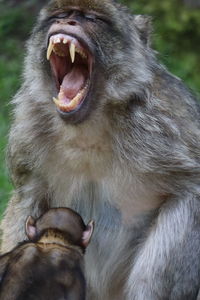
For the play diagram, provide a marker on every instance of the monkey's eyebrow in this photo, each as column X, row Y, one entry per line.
column 71, row 9
column 52, row 18
column 47, row 22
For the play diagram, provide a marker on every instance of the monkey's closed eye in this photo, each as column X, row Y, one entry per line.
column 90, row 17
column 63, row 15
column 95, row 18
column 54, row 17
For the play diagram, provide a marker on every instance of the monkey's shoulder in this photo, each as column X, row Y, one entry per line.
column 174, row 93
column 26, row 251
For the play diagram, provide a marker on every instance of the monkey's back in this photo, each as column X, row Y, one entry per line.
column 39, row 271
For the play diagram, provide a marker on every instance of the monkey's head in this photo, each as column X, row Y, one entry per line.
column 82, row 53
column 63, row 220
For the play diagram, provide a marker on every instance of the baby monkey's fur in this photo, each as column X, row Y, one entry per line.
column 50, row 264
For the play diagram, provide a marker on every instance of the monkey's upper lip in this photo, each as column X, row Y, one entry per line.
column 71, row 64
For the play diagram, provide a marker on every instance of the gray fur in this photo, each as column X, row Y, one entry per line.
column 132, row 165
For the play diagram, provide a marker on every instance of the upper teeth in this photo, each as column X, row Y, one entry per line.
column 57, row 40
column 50, row 49
column 73, row 49
column 81, row 53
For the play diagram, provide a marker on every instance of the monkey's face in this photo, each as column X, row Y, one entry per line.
column 88, row 45
column 72, row 59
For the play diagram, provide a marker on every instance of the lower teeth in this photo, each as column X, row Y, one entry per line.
column 73, row 103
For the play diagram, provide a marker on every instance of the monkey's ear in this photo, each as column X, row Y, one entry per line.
column 87, row 234
column 30, row 228
column 144, row 25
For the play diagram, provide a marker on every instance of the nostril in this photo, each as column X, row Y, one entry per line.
column 72, row 23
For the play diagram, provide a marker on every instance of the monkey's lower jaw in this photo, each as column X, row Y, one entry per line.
column 71, row 64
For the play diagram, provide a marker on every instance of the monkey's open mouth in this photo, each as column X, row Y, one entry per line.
column 71, row 64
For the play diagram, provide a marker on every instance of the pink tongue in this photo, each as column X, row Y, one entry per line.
column 72, row 83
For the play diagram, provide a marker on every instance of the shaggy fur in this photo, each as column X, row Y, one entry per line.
column 132, row 164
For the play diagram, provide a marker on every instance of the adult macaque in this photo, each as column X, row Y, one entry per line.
column 49, row 265
column 102, row 127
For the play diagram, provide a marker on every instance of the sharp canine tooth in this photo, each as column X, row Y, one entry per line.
column 49, row 50
column 65, row 41
column 72, row 50
column 56, row 101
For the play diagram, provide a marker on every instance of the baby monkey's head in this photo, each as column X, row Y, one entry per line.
column 63, row 223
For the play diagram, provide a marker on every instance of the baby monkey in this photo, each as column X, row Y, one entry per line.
column 50, row 264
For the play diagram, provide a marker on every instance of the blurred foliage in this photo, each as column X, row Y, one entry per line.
column 14, row 26
column 176, row 37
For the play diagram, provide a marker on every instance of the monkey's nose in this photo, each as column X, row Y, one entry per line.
column 72, row 22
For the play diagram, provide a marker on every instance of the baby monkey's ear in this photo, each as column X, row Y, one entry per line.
column 31, row 231
column 87, row 234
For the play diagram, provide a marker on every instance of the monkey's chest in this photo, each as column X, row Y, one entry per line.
column 120, row 214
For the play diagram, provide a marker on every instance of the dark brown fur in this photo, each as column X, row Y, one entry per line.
column 51, row 265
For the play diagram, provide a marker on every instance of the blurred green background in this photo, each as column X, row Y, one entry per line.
column 176, row 37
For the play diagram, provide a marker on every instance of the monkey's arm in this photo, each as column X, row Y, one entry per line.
column 28, row 199
column 30, row 194
column 167, row 265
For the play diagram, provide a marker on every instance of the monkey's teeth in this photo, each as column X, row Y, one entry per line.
column 65, row 41
column 57, row 40
column 75, row 101
column 66, row 107
column 81, row 53
column 49, row 50
column 72, row 50
column 56, row 101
